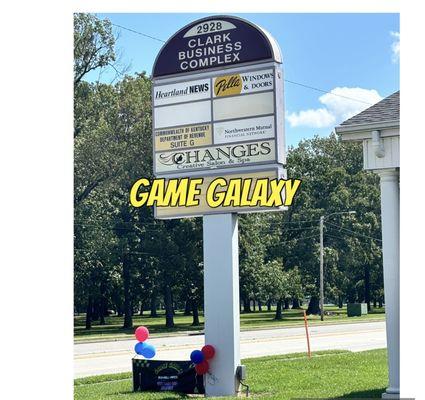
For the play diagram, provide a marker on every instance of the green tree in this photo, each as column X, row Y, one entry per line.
column 277, row 284
column 252, row 252
column 94, row 45
column 125, row 259
column 333, row 180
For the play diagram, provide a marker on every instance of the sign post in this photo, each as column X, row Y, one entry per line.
column 218, row 112
column 221, row 288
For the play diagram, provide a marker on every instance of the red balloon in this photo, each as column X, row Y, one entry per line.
column 202, row 368
column 142, row 333
column 208, row 351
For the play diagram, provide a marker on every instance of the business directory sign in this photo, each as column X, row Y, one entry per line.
column 218, row 101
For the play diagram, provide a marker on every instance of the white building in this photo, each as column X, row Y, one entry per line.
column 378, row 128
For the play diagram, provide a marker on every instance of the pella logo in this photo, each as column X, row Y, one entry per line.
column 227, row 85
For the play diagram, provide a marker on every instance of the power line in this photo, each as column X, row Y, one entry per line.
column 139, row 33
column 308, row 228
column 358, row 234
column 298, row 239
column 294, row 222
column 286, row 80
column 161, row 254
column 152, row 231
column 354, row 233
column 326, row 91
column 276, row 230
column 83, row 222
column 361, row 240
column 147, row 229
column 144, row 253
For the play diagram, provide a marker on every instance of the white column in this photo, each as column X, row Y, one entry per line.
column 390, row 215
column 221, row 288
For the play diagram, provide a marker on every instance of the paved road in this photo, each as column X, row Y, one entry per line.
column 115, row 356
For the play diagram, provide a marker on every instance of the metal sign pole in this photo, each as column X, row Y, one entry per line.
column 221, row 295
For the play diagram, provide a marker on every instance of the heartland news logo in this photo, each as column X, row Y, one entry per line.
column 215, row 156
column 188, row 90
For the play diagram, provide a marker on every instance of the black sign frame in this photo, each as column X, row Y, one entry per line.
column 246, row 43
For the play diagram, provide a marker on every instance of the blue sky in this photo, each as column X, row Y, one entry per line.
column 352, row 55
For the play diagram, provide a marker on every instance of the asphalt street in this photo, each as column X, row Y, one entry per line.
column 109, row 357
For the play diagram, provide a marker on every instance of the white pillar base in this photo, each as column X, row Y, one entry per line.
column 221, row 294
column 390, row 194
column 391, row 393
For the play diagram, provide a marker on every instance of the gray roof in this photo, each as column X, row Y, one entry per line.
column 386, row 110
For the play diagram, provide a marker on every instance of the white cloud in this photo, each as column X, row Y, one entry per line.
column 318, row 118
column 340, row 104
column 395, row 46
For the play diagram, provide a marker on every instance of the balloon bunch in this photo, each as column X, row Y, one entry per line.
column 142, row 348
column 200, row 357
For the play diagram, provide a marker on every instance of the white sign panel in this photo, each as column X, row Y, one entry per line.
column 246, row 129
column 243, row 106
column 216, row 156
column 215, row 25
column 183, row 136
column 182, row 114
column 248, row 82
column 182, row 92
column 203, row 208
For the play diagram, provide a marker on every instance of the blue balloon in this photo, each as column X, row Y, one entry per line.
column 197, row 356
column 139, row 347
column 148, row 351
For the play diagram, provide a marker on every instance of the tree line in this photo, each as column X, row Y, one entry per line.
column 127, row 261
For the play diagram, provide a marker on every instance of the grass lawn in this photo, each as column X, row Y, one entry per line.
column 327, row 374
column 113, row 328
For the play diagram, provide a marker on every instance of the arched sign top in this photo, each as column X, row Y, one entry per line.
column 215, row 42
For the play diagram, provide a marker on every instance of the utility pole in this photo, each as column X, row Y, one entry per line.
column 322, row 218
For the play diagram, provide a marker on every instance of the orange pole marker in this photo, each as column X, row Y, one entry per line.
column 306, row 333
